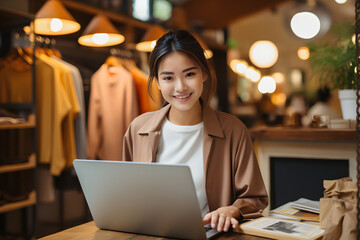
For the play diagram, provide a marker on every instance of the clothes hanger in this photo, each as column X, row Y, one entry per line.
column 17, row 52
column 112, row 61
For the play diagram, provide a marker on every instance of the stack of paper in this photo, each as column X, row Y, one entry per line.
column 306, row 205
column 302, row 209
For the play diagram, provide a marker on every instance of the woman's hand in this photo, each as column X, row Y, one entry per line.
column 222, row 218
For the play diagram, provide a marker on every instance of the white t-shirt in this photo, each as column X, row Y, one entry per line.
column 184, row 145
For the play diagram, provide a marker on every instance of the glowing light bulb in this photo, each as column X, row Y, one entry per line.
column 56, row 25
column 153, row 44
column 263, row 53
column 279, row 77
column 267, row 85
column 340, row 1
column 278, row 99
column 249, row 72
column 255, row 77
column 305, row 25
column 100, row 38
column 241, row 67
column 303, row 53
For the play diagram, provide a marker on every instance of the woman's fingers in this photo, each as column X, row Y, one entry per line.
column 221, row 222
column 235, row 223
column 214, row 219
column 221, row 219
column 227, row 224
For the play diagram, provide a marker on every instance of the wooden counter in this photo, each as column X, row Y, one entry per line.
column 302, row 150
column 89, row 231
column 303, row 134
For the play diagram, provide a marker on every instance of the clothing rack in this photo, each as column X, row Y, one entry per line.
column 122, row 53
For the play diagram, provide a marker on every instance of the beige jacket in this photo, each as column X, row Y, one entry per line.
column 112, row 106
column 232, row 175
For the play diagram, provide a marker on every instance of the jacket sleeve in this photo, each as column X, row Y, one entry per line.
column 251, row 195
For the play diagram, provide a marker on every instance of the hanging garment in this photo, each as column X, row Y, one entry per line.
column 57, row 108
column 146, row 103
column 112, row 106
column 79, row 123
column 16, row 82
column 68, row 122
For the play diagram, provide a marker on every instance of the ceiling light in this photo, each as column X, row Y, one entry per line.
column 252, row 74
column 241, row 67
column 340, row 1
column 278, row 99
column 54, row 19
column 267, row 85
column 307, row 19
column 305, row 25
column 100, row 32
column 303, row 53
column 148, row 41
column 238, row 66
column 263, row 54
column 278, row 77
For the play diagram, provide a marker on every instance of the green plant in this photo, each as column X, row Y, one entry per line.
column 333, row 63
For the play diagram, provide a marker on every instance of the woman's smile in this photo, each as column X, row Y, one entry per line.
column 183, row 98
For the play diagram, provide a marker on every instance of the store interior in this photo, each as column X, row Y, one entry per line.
column 270, row 87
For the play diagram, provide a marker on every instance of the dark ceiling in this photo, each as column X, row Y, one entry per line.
column 216, row 14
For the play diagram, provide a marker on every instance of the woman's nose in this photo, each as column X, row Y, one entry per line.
column 180, row 85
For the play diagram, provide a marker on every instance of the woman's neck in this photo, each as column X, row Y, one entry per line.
column 186, row 118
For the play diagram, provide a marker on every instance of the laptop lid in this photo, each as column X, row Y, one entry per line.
column 146, row 198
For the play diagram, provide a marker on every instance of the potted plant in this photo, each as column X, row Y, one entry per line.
column 333, row 64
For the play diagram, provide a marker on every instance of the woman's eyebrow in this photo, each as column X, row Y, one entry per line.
column 190, row 68
column 185, row 70
column 166, row 73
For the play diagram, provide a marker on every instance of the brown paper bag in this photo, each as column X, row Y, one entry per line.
column 338, row 209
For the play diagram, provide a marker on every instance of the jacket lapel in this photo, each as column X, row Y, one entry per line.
column 150, row 132
column 212, row 129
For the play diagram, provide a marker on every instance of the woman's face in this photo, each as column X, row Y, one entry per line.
column 180, row 81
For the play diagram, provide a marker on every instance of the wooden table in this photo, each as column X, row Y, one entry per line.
column 89, row 231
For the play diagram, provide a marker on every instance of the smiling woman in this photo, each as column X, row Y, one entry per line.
column 181, row 81
column 215, row 145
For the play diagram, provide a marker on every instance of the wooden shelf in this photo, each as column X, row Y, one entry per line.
column 9, row 15
column 31, row 123
column 20, row 204
column 20, row 166
column 303, row 134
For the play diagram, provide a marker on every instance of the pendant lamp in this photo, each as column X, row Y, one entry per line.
column 148, row 41
column 54, row 19
column 100, row 32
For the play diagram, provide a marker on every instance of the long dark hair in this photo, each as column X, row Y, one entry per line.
column 184, row 42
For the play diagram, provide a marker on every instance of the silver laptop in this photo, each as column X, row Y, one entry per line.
column 145, row 198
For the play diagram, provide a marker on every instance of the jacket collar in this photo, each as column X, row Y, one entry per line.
column 156, row 122
column 211, row 122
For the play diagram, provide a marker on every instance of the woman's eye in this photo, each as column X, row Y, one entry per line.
column 167, row 78
column 190, row 74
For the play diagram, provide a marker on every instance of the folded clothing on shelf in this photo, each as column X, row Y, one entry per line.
column 15, row 146
column 16, row 186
